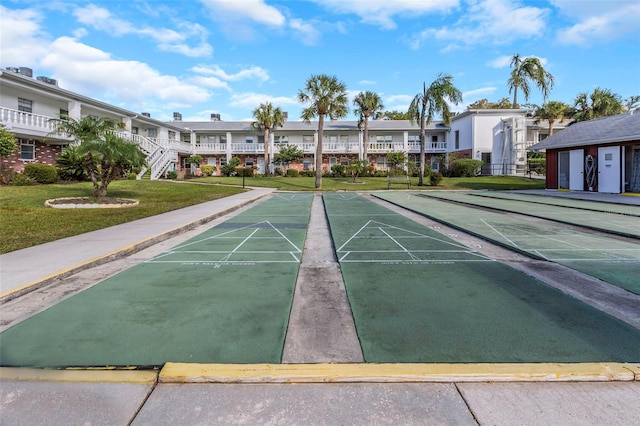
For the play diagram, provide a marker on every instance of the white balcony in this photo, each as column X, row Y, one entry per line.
column 211, row 148
column 25, row 123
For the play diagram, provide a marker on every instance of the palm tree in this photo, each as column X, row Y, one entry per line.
column 106, row 155
column 524, row 70
column 600, row 103
column 326, row 96
column 433, row 100
column 553, row 111
column 267, row 117
column 367, row 104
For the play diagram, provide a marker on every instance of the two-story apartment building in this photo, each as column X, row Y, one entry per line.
column 27, row 105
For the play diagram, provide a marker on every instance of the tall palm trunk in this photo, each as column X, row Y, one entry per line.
column 319, row 152
column 365, row 142
column 267, row 163
column 551, row 121
column 423, row 137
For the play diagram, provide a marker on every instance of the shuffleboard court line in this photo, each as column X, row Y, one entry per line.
column 399, row 245
column 501, row 234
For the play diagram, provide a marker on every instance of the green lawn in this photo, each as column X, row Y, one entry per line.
column 27, row 222
column 375, row 184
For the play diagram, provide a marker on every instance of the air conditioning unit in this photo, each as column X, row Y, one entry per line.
column 13, row 69
column 215, row 117
column 27, row 72
column 47, row 80
column 146, row 114
column 177, row 116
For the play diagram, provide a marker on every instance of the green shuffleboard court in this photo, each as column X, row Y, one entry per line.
column 611, row 221
column 222, row 297
column 419, row 296
column 607, row 258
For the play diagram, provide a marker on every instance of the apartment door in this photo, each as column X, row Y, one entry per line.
column 576, row 170
column 609, row 169
column 261, row 165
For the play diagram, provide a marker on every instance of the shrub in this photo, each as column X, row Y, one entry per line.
column 20, row 179
column 537, row 165
column 435, row 178
column 229, row 169
column 465, row 167
column 207, row 170
column 380, row 173
column 292, row 173
column 278, row 171
column 41, row 173
column 337, row 170
column 132, row 176
column 307, row 173
column 71, row 164
column 172, row 174
column 244, row 171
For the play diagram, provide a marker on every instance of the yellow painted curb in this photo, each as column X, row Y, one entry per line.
column 635, row 369
column 631, row 194
column 78, row 376
column 381, row 373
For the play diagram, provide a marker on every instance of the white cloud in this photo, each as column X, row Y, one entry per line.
column 307, row 30
column 85, row 69
column 253, row 72
column 487, row 21
column 382, row 12
column 252, row 100
column 212, row 82
column 21, row 37
column 598, row 22
column 479, row 93
column 393, row 99
column 255, row 10
column 367, row 83
column 168, row 40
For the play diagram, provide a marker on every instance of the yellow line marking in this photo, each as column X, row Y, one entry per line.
column 381, row 373
column 631, row 194
column 78, row 376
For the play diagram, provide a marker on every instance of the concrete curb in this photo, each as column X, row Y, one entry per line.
column 397, row 373
column 78, row 376
column 120, row 253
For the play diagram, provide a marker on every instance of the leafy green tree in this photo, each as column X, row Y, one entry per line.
column 503, row 103
column 287, row 154
column 107, row 157
column 600, row 103
column 356, row 168
column 267, row 118
column 431, row 101
column 525, row 70
column 396, row 159
column 395, row 115
column 367, row 104
column 325, row 96
column 553, row 111
column 8, row 143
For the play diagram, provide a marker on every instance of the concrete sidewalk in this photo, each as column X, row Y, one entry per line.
column 32, row 397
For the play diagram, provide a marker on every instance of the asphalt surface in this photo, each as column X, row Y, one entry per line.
column 584, row 395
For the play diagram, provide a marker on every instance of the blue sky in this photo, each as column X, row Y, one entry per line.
column 227, row 56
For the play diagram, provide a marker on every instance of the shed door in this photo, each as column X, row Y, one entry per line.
column 609, row 169
column 576, row 170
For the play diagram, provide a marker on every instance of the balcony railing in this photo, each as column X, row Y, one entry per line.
column 36, row 124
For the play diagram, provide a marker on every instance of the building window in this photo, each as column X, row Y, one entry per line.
column 64, row 113
column 223, row 161
column 25, row 105
column 248, row 139
column 27, row 151
column 185, row 163
column 306, row 163
column 248, row 162
column 434, row 138
column 261, row 139
column 333, row 161
column 134, row 130
column 457, row 139
column 307, row 138
column 414, row 139
column 344, row 139
column 381, row 162
column 211, row 161
column 152, row 133
column 281, row 139
column 223, row 139
column 344, row 161
column 384, row 138
column 172, row 135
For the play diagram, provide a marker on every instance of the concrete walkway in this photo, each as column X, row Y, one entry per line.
column 32, row 397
